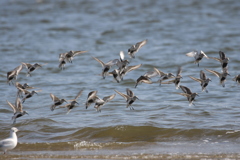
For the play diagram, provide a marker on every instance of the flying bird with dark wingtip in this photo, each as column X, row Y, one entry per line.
column 135, row 48
column 198, row 56
column 222, row 76
column 31, row 67
column 17, row 109
column 106, row 66
column 99, row 103
column 188, row 93
column 176, row 80
column 203, row 80
column 129, row 97
column 163, row 76
column 223, row 59
column 92, row 96
column 11, row 75
column 73, row 102
column 57, row 101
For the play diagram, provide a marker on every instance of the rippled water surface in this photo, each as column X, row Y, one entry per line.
column 162, row 123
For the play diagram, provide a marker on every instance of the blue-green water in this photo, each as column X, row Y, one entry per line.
column 162, row 122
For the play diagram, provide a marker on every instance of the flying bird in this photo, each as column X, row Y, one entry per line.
column 135, row 48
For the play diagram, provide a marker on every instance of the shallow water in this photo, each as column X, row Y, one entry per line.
column 162, row 124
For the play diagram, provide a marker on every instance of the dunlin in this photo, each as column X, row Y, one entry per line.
column 197, row 55
column 17, row 109
column 135, row 48
column 203, row 80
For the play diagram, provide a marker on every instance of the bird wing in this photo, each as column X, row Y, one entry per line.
column 214, row 72
column 217, row 59
column 79, row 94
column 92, row 95
column 179, row 71
column 185, row 89
column 75, row 53
column 168, row 82
column 121, row 55
column 140, row 44
column 27, row 65
column 54, row 98
column 192, row 54
column 129, row 92
column 222, row 55
column 18, row 85
column 19, row 106
column 159, row 72
column 184, row 94
column 130, row 68
column 196, row 79
column 109, row 98
column 203, row 75
column 101, row 62
column 151, row 74
column 204, row 54
column 65, row 106
column 126, row 97
column 12, row 106
column 112, row 62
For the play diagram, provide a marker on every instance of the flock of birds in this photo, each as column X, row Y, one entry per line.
column 121, row 69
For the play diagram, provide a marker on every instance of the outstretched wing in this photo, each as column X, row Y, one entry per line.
column 222, row 55
column 214, row 72
column 129, row 92
column 195, row 79
column 130, row 68
column 79, row 94
column 109, row 98
column 203, row 75
column 140, row 44
column 12, row 106
column 123, row 95
column 78, row 52
column 185, row 89
column 101, row 62
column 159, row 72
column 54, row 98
column 192, row 54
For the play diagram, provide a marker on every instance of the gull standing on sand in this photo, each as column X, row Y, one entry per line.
column 197, row 55
column 92, row 96
column 203, row 80
column 187, row 93
column 71, row 105
column 223, row 59
column 13, row 74
column 222, row 76
column 99, row 103
column 17, row 109
column 56, row 101
column 135, row 48
column 129, row 97
column 177, row 78
column 106, row 66
column 10, row 142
